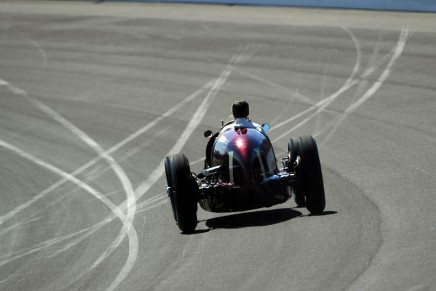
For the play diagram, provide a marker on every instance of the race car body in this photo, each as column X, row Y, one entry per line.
column 246, row 162
column 241, row 173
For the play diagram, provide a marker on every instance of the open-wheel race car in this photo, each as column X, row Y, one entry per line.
column 241, row 173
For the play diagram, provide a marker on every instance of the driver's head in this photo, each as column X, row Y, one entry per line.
column 240, row 109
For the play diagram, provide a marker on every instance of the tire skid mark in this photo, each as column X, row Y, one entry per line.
column 192, row 125
column 397, row 51
column 394, row 53
column 78, row 236
column 82, row 234
column 370, row 92
column 98, row 171
column 127, row 229
column 122, row 176
column 40, row 51
column 152, row 200
column 79, row 170
column 186, row 134
column 127, row 220
column 126, row 155
column 296, row 95
column 144, row 187
column 115, row 209
column 153, row 206
column 321, row 105
column 18, row 225
column 92, row 162
column 198, row 116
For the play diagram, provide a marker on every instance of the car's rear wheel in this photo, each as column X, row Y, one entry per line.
column 183, row 192
column 292, row 155
column 298, row 196
column 169, row 174
column 310, row 174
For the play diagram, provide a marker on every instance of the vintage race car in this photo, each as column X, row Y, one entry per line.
column 241, row 173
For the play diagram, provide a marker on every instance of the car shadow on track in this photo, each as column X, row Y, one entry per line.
column 325, row 213
column 253, row 219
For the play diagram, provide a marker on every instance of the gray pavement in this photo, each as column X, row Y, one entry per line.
column 93, row 97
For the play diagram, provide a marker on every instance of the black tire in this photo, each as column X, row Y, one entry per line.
column 183, row 192
column 169, row 175
column 310, row 174
column 299, row 198
column 292, row 155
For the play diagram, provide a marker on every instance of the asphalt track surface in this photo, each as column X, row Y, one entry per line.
column 93, row 97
